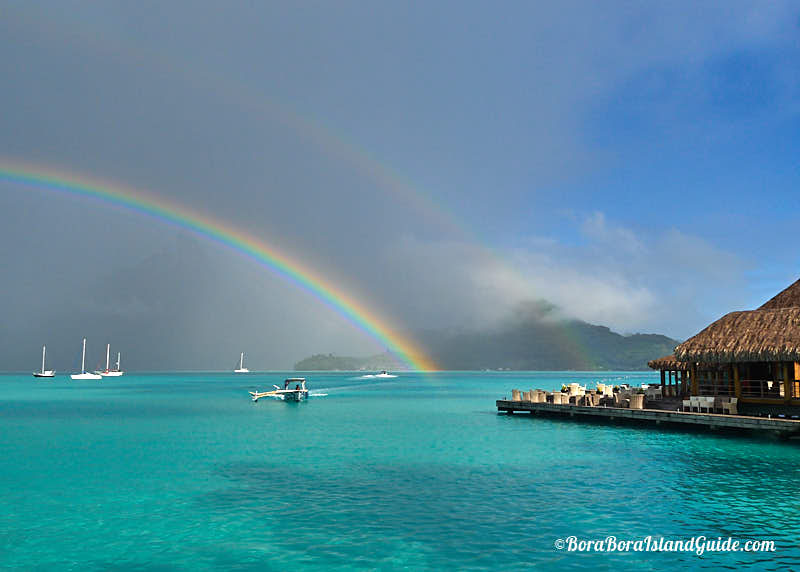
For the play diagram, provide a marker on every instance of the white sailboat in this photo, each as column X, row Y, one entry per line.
column 241, row 368
column 84, row 374
column 116, row 372
column 44, row 372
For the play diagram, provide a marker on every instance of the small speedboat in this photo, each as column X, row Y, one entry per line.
column 297, row 393
column 384, row 374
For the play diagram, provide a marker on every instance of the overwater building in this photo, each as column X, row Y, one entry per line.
column 752, row 355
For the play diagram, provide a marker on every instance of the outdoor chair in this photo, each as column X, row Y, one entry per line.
column 576, row 389
column 731, row 406
column 687, row 405
column 515, row 395
column 653, row 392
column 557, row 398
column 637, row 401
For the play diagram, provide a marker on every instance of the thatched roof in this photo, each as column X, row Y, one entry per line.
column 670, row 363
column 787, row 298
column 757, row 335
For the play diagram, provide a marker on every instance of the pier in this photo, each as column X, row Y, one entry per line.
column 782, row 428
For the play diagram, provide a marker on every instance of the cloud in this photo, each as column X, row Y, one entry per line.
column 671, row 283
column 333, row 134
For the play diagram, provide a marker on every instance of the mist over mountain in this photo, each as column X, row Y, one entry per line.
column 536, row 337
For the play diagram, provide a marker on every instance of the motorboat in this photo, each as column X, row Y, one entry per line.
column 297, row 393
column 381, row 375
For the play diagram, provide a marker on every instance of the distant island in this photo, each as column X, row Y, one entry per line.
column 535, row 338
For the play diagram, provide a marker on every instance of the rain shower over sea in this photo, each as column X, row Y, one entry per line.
column 182, row 471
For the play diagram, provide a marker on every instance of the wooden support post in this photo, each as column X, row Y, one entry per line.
column 695, row 385
column 737, row 383
column 787, row 383
column 662, row 382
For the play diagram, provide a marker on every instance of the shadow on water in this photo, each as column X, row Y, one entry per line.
column 644, row 425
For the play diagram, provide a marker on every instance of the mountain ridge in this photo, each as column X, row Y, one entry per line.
column 534, row 339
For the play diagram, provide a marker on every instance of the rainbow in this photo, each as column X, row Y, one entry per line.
column 154, row 207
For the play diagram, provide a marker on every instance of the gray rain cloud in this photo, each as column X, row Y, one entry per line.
column 422, row 157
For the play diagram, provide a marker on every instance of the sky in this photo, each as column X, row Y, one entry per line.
column 442, row 163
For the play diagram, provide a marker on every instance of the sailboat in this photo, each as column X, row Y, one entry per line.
column 116, row 372
column 241, row 368
column 44, row 372
column 84, row 374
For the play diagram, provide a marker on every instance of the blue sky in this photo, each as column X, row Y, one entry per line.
column 633, row 163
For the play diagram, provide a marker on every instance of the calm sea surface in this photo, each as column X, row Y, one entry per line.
column 183, row 472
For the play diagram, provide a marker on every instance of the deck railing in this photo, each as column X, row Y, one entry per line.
column 705, row 388
column 762, row 388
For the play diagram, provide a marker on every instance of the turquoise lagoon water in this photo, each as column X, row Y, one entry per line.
column 183, row 472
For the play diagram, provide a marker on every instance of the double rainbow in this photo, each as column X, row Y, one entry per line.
column 292, row 270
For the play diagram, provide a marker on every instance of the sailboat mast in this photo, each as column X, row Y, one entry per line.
column 43, row 349
column 83, row 357
column 241, row 360
column 108, row 348
column 117, row 361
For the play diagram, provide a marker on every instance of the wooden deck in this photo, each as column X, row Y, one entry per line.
column 783, row 428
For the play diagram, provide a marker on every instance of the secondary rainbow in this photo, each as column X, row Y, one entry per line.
column 363, row 318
